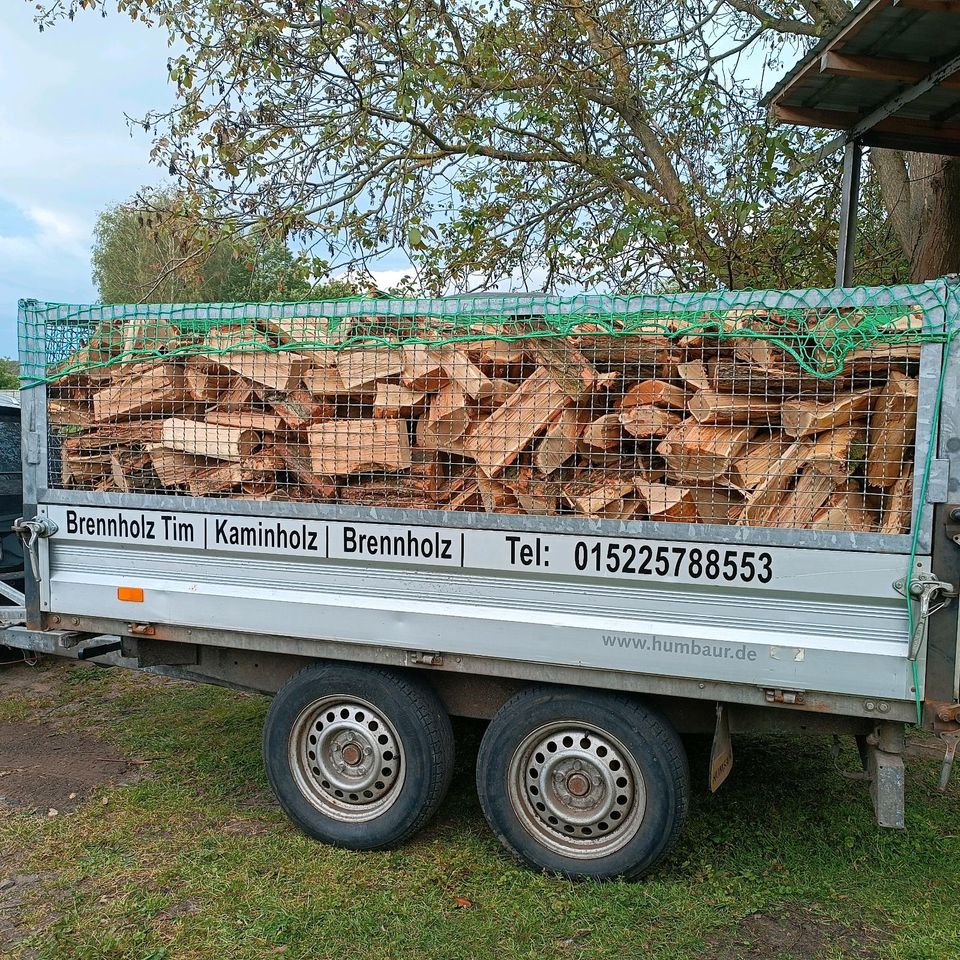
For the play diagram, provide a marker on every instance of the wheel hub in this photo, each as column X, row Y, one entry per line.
column 346, row 758
column 577, row 789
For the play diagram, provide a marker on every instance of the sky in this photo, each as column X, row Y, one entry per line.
column 65, row 149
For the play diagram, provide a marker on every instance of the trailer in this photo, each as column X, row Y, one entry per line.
column 598, row 522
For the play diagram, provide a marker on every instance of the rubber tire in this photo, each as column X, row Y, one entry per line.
column 422, row 725
column 646, row 734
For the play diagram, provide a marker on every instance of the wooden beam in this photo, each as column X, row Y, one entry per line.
column 881, row 69
column 845, row 120
column 930, row 6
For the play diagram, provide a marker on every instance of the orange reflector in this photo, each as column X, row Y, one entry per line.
column 133, row 594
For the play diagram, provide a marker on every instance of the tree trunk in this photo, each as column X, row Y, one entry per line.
column 937, row 250
column 921, row 192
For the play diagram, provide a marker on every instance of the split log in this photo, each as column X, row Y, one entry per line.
column 298, row 409
column 897, row 514
column 463, row 372
column 697, row 451
column 591, row 499
column 663, row 502
column 694, row 374
column 247, row 419
column 174, row 467
column 276, row 371
column 209, row 440
column 497, row 497
column 757, row 463
column 716, row 503
column 560, row 440
column 496, row 441
column 446, row 420
column 361, row 370
column 838, row 453
column 763, row 501
column 568, row 367
column 605, row 433
column 891, row 431
column 803, row 418
column 341, row 447
column 849, row 508
column 708, row 406
column 326, row 382
column 298, row 460
column 421, row 370
column 161, row 389
column 395, row 400
column 656, row 393
column 807, row 498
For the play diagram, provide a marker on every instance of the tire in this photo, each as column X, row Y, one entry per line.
column 584, row 784
column 359, row 757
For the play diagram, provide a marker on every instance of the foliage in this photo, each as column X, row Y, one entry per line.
column 9, row 374
column 593, row 141
column 153, row 251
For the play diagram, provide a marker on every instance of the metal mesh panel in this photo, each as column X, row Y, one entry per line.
column 801, row 415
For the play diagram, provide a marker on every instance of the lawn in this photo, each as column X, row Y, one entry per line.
column 193, row 859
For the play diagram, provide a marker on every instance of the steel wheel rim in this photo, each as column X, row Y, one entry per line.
column 346, row 758
column 577, row 789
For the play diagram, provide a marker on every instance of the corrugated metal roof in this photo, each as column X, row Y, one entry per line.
column 873, row 75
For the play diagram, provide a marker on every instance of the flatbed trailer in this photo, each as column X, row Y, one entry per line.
column 590, row 641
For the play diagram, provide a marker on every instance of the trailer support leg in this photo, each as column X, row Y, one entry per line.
column 886, row 770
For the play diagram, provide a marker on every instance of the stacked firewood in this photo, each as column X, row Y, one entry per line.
column 688, row 428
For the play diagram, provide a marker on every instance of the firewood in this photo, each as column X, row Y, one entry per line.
column 248, row 419
column 158, row 390
column 112, row 435
column 891, row 430
column 298, row 409
column 203, row 383
column 146, row 334
column 242, row 338
column 663, row 502
column 217, row 479
column 657, row 393
column 468, row 499
column 277, row 371
column 763, row 501
column 463, row 372
column 808, row 496
column 298, row 460
column 838, row 453
column 567, row 366
column 590, row 498
column 174, row 467
column 803, row 418
column 496, row 441
column 497, row 497
column 699, row 451
column 421, row 369
column 341, row 447
column 237, row 393
column 849, row 508
column 559, row 442
column 694, row 374
column 604, row 433
column 209, row 440
column 708, row 406
column 78, row 470
column 897, row 515
column 537, row 495
column 750, row 470
column 447, row 419
column 501, row 393
column 499, row 357
column 326, row 382
column 396, row 400
column 312, row 336
column 361, row 370
column 716, row 503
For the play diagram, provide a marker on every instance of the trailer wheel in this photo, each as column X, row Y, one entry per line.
column 582, row 783
column 358, row 757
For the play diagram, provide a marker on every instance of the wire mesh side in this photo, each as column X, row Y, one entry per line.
column 802, row 417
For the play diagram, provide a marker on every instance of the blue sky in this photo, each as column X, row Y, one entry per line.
column 65, row 150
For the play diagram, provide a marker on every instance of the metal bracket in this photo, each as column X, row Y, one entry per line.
column 30, row 531
column 425, row 658
column 924, row 587
column 783, row 696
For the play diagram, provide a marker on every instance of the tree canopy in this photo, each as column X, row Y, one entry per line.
column 157, row 252
column 581, row 141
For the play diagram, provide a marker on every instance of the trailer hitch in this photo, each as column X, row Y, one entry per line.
column 30, row 531
column 924, row 587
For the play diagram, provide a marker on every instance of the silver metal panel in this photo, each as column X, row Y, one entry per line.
column 825, row 621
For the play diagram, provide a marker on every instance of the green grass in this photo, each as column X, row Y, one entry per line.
column 196, row 861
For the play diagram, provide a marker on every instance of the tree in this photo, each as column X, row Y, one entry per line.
column 616, row 141
column 9, row 374
column 154, row 251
